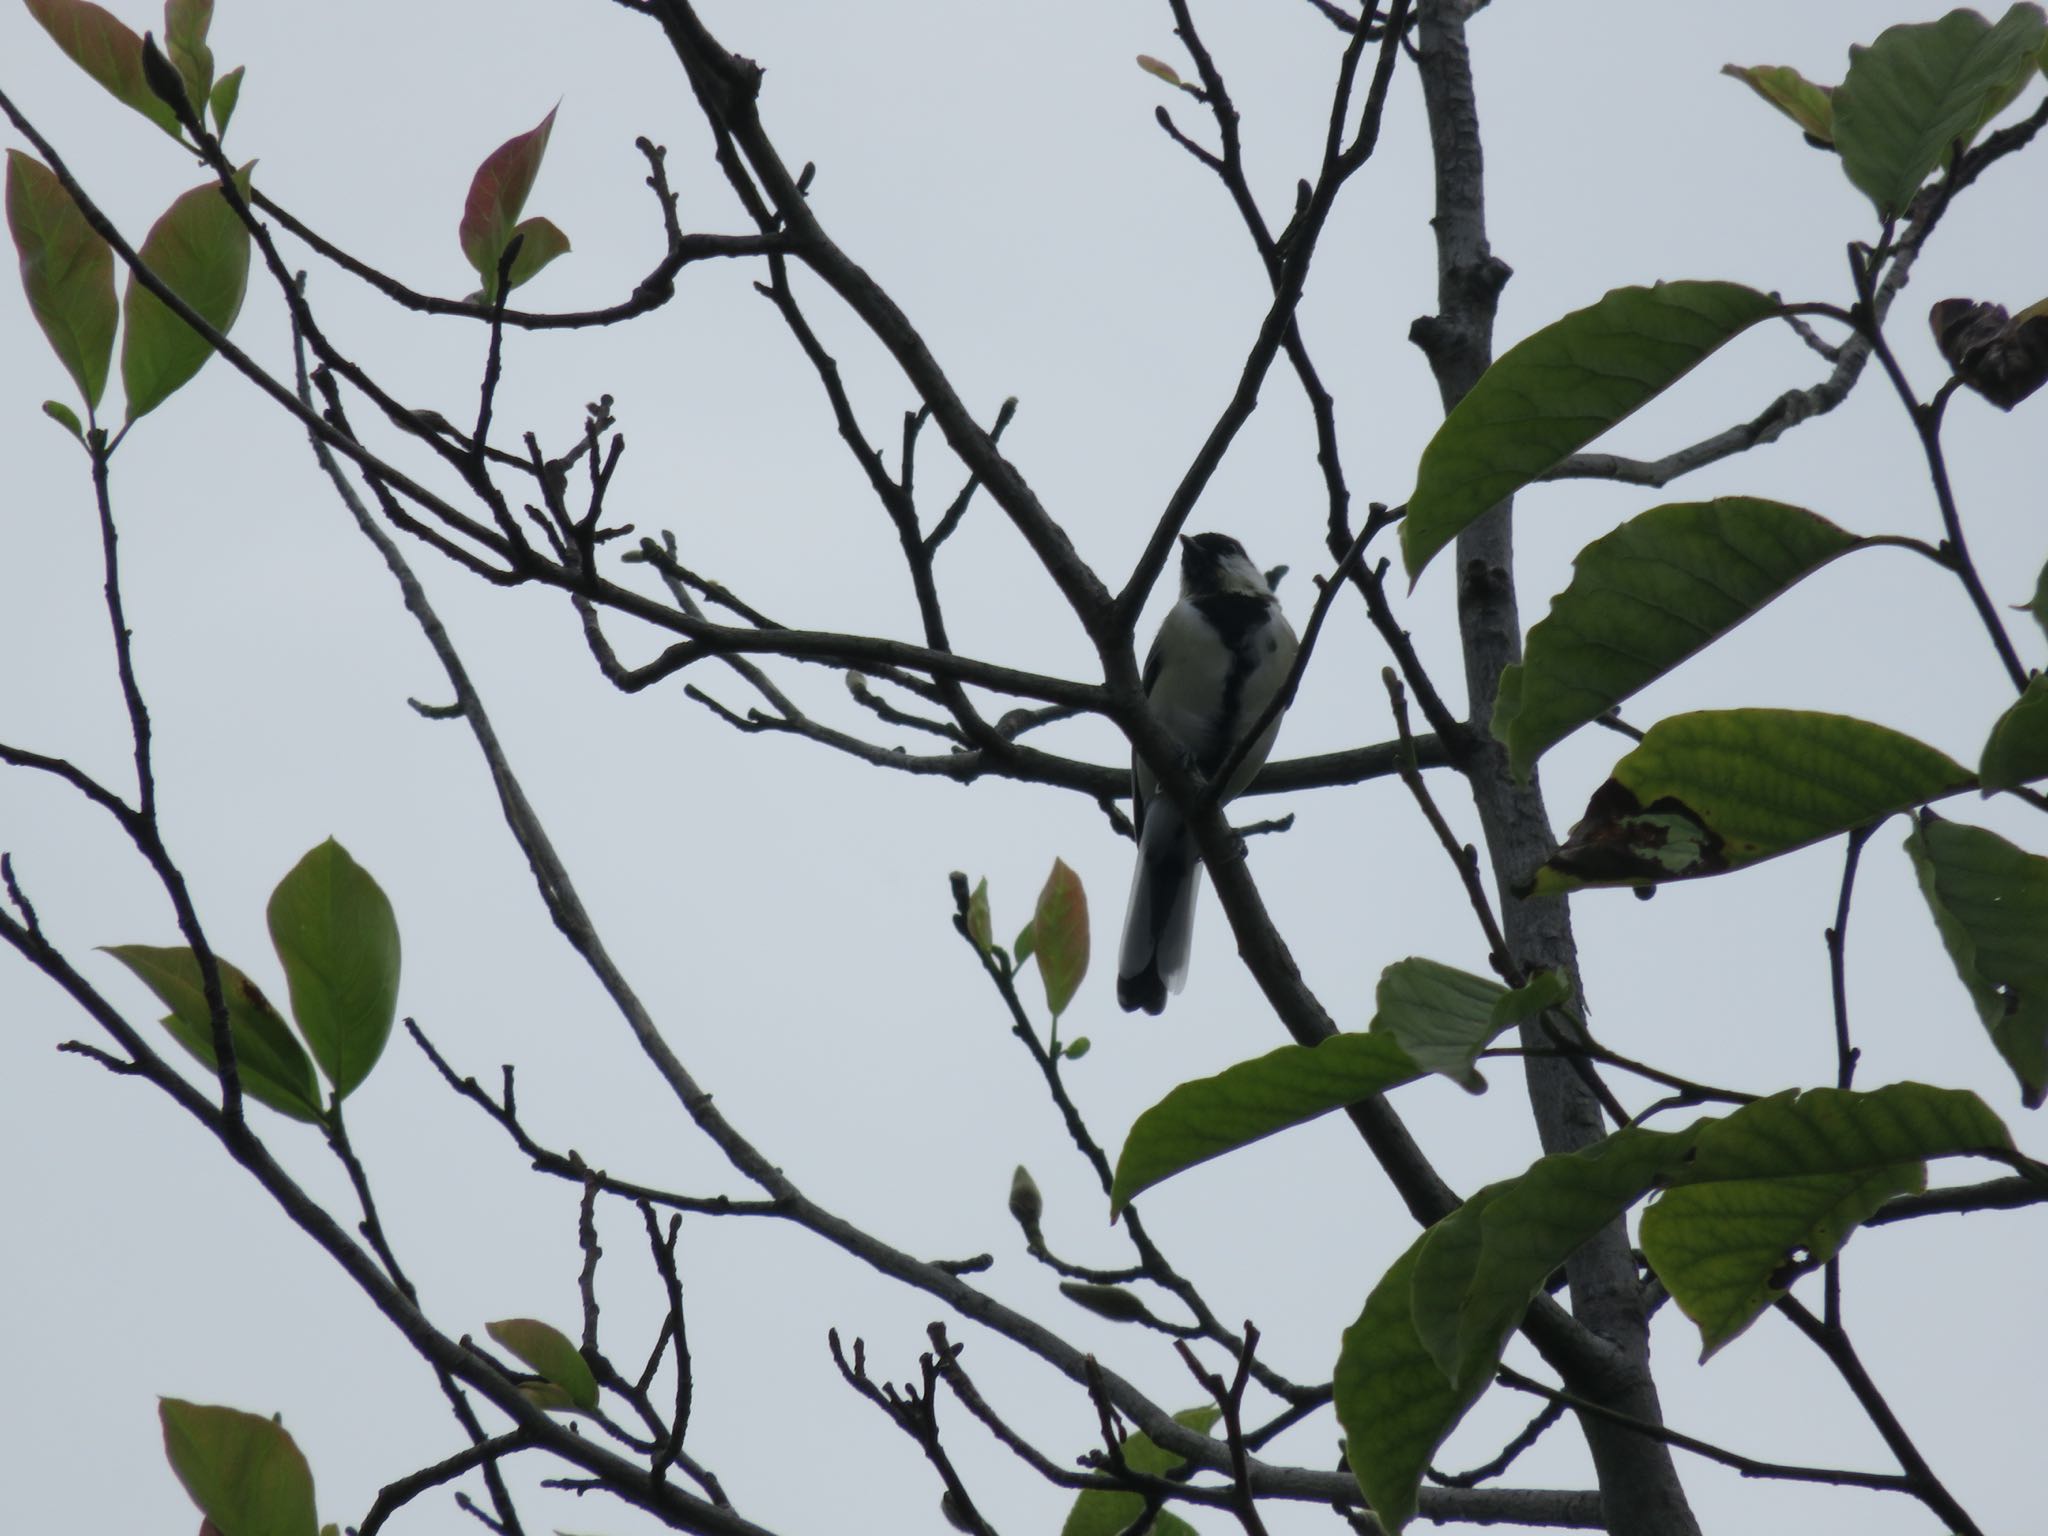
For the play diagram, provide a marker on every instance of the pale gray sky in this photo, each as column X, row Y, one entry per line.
column 785, row 911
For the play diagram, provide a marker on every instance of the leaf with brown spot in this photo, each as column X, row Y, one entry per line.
column 1714, row 791
column 1990, row 903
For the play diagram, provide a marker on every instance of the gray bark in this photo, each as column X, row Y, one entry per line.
column 1640, row 1491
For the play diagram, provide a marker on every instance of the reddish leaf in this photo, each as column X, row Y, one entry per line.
column 497, row 194
column 67, row 270
column 106, row 49
column 1060, row 926
column 201, row 250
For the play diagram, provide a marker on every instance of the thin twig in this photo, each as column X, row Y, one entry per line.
column 1919, row 1480
column 1837, row 938
column 1528, row 1435
column 1230, row 1400
column 394, row 1496
column 1748, row 1466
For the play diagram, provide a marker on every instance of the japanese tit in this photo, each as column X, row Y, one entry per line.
column 1222, row 655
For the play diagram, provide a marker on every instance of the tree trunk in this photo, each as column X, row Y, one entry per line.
column 1640, row 1491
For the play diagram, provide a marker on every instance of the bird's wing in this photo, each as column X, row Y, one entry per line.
column 1267, row 676
column 1141, row 785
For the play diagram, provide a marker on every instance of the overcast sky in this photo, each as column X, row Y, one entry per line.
column 785, row 911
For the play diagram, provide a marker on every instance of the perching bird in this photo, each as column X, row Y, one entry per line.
column 1222, row 655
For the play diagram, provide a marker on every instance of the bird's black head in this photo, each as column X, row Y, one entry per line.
column 1215, row 562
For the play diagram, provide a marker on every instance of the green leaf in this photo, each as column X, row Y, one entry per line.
column 1990, row 903
column 1159, row 68
column 1556, row 391
column 1642, row 599
column 1059, row 928
column 338, row 941
column 1431, row 1018
column 1076, row 1048
column 1242, row 1104
column 1442, row 1018
column 978, row 926
column 1713, row 791
column 1478, row 1269
column 1810, row 106
column 1026, row 945
column 270, row 1062
column 243, row 1471
column 67, row 271
column 201, row 250
column 106, row 49
column 1106, row 1301
column 1395, row 1406
column 1779, row 1185
column 497, row 194
column 226, row 93
column 2038, row 605
column 1430, row 1337
column 65, row 417
column 1108, row 1514
column 549, row 1352
column 1920, row 91
column 185, row 26
column 2017, row 752
column 540, row 242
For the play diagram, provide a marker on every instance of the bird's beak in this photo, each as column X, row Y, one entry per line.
column 1185, row 543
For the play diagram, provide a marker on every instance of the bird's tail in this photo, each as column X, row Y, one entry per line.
column 1159, row 924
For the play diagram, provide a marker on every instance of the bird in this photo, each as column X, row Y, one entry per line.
column 1222, row 656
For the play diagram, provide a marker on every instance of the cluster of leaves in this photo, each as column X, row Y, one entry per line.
column 1738, row 1205
column 107, row 49
column 1741, row 1204
column 1910, row 103
column 492, row 229
column 336, row 937
column 1748, row 1203
column 199, row 248
column 1056, row 936
column 337, row 940
column 1912, row 100
column 249, row 1477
